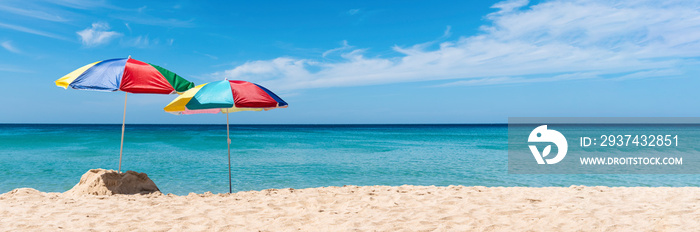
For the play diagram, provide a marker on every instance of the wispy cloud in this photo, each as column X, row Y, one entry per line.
column 520, row 43
column 141, row 16
column 353, row 11
column 9, row 47
column 33, row 13
column 141, row 41
column 424, row 46
column 83, row 4
column 651, row 73
column 207, row 55
column 97, row 34
column 518, row 80
column 448, row 32
column 154, row 21
column 509, row 5
column 128, row 27
column 32, row 31
column 142, row 9
column 9, row 68
column 344, row 47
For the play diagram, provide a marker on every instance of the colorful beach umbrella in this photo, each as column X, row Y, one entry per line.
column 225, row 97
column 127, row 75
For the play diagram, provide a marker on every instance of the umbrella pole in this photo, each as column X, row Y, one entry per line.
column 228, row 141
column 121, row 147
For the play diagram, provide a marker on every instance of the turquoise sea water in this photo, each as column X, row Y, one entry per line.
column 192, row 158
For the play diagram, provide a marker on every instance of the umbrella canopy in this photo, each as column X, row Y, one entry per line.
column 225, row 97
column 127, row 75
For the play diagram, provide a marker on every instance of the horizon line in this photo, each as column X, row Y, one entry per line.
column 259, row 124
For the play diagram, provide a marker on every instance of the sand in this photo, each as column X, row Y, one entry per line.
column 369, row 208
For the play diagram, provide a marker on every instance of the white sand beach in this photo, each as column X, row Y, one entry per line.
column 362, row 208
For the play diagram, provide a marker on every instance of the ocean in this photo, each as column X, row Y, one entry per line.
column 192, row 158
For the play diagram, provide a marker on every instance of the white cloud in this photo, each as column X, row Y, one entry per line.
column 96, row 35
column 353, row 11
column 550, row 41
column 260, row 71
column 9, row 47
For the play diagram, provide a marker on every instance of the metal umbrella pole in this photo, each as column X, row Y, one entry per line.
column 121, row 147
column 228, row 141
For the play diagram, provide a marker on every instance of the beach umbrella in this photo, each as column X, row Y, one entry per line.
column 127, row 75
column 225, row 97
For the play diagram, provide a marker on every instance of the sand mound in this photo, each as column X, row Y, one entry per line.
column 110, row 182
column 21, row 192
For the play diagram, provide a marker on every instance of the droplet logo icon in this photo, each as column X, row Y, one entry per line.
column 542, row 134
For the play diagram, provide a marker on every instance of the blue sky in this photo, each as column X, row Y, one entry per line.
column 362, row 61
